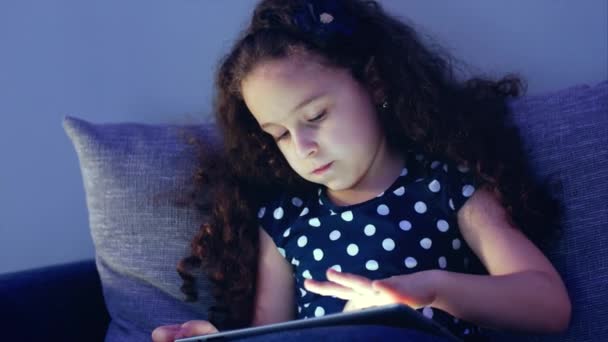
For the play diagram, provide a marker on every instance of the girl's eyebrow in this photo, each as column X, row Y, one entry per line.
column 298, row 107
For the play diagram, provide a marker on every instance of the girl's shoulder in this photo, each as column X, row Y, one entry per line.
column 279, row 209
column 453, row 183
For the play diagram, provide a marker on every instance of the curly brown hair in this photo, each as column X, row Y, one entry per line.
column 467, row 122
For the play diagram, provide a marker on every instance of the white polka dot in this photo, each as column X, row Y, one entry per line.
column 281, row 251
column 399, row 191
column 302, row 241
column 380, row 194
column 404, row 172
column 320, row 201
column 334, row 235
column 295, row 262
column 304, row 211
column 302, row 292
column 306, row 274
column 319, row 311
column 451, row 203
column 287, row 232
column 299, row 309
column 467, row 190
column 331, row 212
column 297, row 202
column 405, row 225
column 337, row 268
column 443, row 226
column 347, row 216
column 319, row 191
column 314, row 222
column 434, row 186
column 427, row 312
column 463, row 168
column 306, row 305
column 261, row 212
column 371, row 265
column 420, row 207
column 352, row 249
column 388, row 244
column 278, row 213
column 383, row 210
column 467, row 331
column 443, row 262
column 426, row 243
column 435, row 164
column 445, row 167
column 410, row 262
column 456, row 244
column 317, row 254
column 369, row 230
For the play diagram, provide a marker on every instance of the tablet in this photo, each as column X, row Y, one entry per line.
column 394, row 315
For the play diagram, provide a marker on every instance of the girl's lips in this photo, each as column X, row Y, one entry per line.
column 322, row 168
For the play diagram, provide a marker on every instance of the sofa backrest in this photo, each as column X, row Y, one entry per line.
column 566, row 136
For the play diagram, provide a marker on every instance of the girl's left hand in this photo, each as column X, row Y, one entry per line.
column 415, row 290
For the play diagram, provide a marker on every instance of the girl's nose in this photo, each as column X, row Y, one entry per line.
column 305, row 145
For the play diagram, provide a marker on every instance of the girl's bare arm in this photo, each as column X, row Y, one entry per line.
column 524, row 291
column 275, row 286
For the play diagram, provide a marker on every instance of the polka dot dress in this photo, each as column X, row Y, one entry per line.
column 410, row 227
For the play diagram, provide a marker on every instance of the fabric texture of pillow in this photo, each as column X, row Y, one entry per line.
column 132, row 174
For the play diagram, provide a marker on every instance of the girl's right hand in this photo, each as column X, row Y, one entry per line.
column 168, row 333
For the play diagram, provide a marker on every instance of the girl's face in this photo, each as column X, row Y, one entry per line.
column 323, row 121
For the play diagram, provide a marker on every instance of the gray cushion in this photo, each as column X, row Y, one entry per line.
column 138, row 241
column 566, row 133
column 132, row 174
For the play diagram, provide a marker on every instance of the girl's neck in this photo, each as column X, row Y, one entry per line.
column 384, row 170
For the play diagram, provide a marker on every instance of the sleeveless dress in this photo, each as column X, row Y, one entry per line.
column 410, row 227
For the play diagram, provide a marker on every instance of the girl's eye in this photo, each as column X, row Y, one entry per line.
column 282, row 136
column 318, row 117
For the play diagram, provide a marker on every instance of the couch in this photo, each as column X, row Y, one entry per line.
column 138, row 176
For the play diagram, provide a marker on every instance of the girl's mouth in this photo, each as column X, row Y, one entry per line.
column 322, row 168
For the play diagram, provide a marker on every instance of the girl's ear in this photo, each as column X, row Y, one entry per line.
column 374, row 82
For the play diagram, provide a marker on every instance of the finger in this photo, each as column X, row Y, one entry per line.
column 384, row 287
column 390, row 290
column 359, row 284
column 328, row 288
column 165, row 333
column 194, row 328
column 368, row 301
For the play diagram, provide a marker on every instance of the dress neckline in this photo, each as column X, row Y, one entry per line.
column 403, row 178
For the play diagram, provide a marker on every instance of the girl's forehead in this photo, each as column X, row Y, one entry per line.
column 287, row 79
column 276, row 87
column 293, row 67
column 286, row 76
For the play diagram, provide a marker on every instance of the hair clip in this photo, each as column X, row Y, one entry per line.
column 324, row 19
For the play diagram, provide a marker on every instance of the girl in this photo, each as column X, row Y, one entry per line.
column 357, row 172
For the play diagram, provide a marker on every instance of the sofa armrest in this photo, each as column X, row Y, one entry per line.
column 54, row 303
